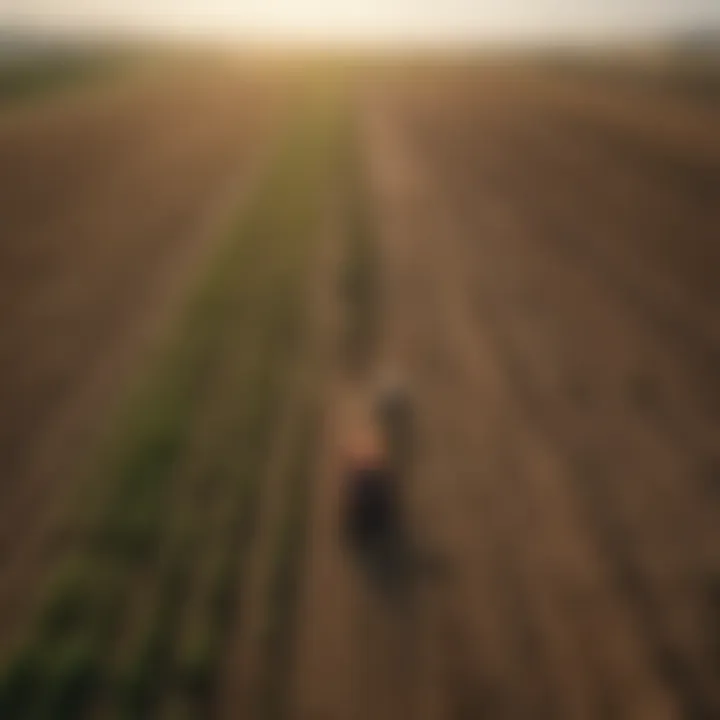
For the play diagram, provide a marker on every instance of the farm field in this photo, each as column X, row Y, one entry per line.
column 200, row 273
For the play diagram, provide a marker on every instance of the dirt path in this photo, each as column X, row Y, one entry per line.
column 326, row 674
column 457, row 642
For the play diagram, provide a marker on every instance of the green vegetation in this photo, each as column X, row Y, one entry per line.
column 361, row 274
column 284, row 590
column 27, row 78
column 164, row 519
column 360, row 286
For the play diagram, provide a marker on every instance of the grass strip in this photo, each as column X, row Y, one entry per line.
column 24, row 79
column 361, row 274
column 359, row 282
column 282, row 602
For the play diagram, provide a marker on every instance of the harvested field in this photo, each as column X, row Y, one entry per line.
column 210, row 286
column 111, row 204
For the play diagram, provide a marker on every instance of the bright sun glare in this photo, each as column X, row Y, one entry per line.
column 378, row 19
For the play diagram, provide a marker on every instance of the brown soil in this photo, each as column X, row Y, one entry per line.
column 548, row 262
column 111, row 201
column 547, row 256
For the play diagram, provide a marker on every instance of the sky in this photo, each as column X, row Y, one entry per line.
column 412, row 19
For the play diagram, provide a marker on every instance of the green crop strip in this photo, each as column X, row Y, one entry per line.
column 359, row 278
column 249, row 304
column 288, row 570
column 25, row 79
column 361, row 282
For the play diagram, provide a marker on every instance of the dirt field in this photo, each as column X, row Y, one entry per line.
column 111, row 200
column 536, row 254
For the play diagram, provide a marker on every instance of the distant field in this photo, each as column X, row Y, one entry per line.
column 199, row 274
column 25, row 78
column 693, row 78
